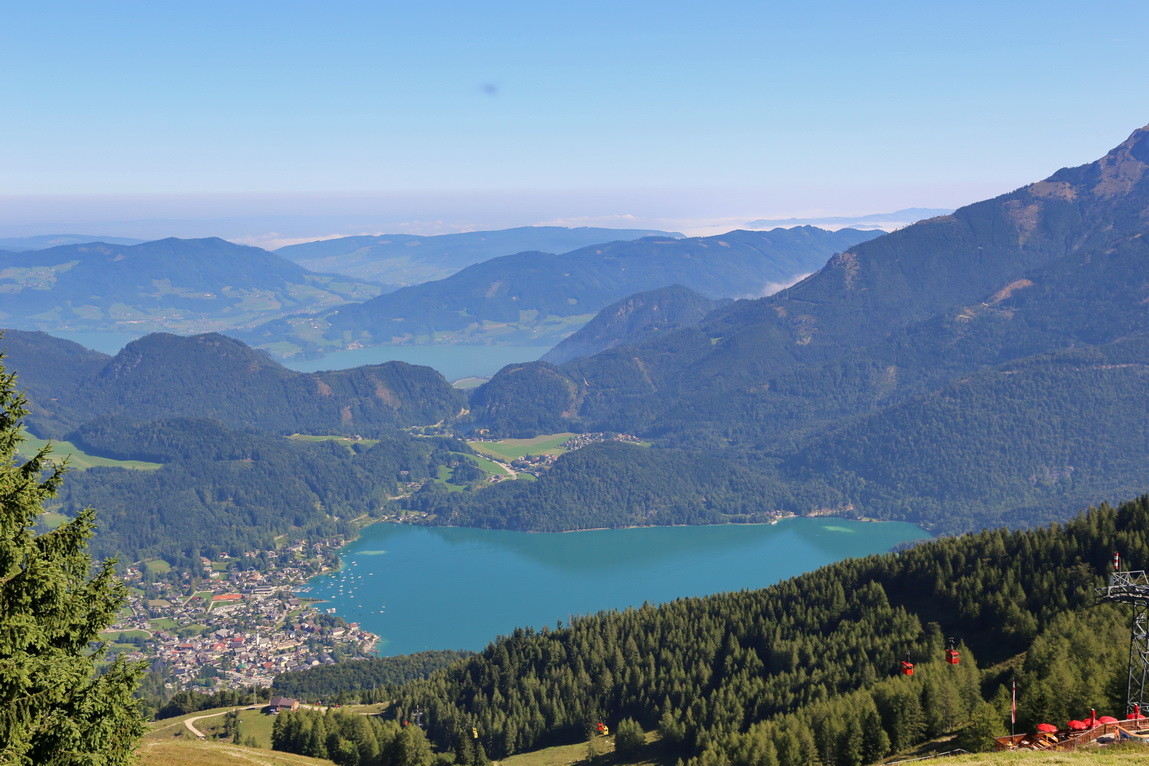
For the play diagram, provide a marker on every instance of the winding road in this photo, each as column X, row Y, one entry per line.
column 190, row 722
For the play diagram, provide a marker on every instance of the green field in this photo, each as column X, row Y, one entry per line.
column 78, row 459
column 163, row 623
column 1125, row 754
column 157, row 566
column 51, row 519
column 187, row 631
column 565, row 755
column 346, row 441
column 446, row 477
column 252, row 723
column 490, row 467
column 188, row 752
column 121, row 636
column 510, row 449
column 1114, row 755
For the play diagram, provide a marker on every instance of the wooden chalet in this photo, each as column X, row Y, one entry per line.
column 279, row 704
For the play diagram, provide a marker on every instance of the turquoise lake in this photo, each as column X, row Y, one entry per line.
column 453, row 588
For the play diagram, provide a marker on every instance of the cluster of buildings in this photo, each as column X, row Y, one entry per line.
column 528, row 462
column 234, row 629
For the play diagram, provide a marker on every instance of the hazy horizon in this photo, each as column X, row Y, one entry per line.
column 274, row 122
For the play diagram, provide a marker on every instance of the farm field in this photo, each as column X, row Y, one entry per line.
column 510, row 449
column 488, row 466
column 78, row 459
column 446, row 476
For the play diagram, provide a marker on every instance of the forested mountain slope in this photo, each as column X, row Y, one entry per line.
column 214, row 376
column 408, row 259
column 1068, row 254
column 1018, row 444
column 534, row 297
column 805, row 671
column 1011, row 332
column 633, row 319
column 223, row 490
column 185, row 285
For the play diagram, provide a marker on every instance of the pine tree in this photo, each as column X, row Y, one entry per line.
column 629, row 738
column 54, row 707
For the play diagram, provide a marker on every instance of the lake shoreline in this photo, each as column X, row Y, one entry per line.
column 425, row 587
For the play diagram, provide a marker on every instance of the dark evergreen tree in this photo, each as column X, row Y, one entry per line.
column 54, row 707
column 628, row 737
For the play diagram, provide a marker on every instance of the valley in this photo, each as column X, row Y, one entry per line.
column 610, row 384
column 695, row 448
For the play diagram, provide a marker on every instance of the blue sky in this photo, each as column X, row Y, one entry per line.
column 448, row 115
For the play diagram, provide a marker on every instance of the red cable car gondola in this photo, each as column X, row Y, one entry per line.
column 953, row 657
column 907, row 668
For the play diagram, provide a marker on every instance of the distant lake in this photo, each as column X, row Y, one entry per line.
column 454, row 362
column 104, row 342
column 453, row 588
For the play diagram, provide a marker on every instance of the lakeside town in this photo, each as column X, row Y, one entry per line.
column 238, row 623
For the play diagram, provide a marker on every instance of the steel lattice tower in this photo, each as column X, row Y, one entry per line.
column 1133, row 588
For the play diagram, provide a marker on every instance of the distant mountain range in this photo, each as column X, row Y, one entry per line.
column 44, row 241
column 181, row 285
column 883, row 221
column 540, row 298
column 986, row 367
column 406, row 259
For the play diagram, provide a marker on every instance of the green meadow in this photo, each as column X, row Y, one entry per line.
column 78, row 459
column 510, row 449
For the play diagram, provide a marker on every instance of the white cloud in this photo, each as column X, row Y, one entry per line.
column 777, row 287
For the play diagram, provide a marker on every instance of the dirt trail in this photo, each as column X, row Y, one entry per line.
column 190, row 722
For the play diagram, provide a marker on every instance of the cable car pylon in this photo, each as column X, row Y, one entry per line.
column 1132, row 587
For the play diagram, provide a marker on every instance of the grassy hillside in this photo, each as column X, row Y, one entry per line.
column 77, row 459
column 1116, row 755
column 195, row 753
